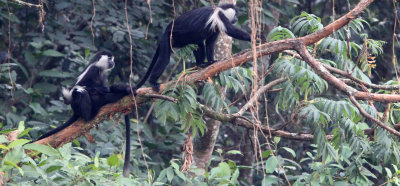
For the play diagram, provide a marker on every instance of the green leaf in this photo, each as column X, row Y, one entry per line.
column 53, row 168
column 234, row 152
column 14, row 165
column 3, row 147
column 266, row 153
column 21, row 126
column 65, row 151
column 175, row 165
column 388, row 172
column 291, row 151
column 3, row 139
column 222, row 171
column 113, row 160
column 37, row 108
column 50, row 151
column 52, row 53
column 170, row 174
column 14, row 156
column 235, row 176
column 87, row 52
column 270, row 164
column 23, row 133
column 96, row 160
column 17, row 143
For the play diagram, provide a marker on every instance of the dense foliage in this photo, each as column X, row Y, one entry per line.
column 341, row 152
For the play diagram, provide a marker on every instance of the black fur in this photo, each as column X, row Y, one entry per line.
column 191, row 28
column 127, row 147
column 90, row 93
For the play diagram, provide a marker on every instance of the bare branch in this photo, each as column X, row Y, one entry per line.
column 27, row 4
column 365, row 114
column 259, row 93
column 348, row 75
column 245, row 122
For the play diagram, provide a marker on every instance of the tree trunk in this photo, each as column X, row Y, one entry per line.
column 204, row 146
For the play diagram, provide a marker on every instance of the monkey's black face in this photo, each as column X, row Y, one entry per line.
column 230, row 13
column 111, row 62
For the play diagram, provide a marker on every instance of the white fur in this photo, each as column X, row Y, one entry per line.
column 83, row 74
column 103, row 62
column 80, row 89
column 216, row 21
column 67, row 94
column 229, row 13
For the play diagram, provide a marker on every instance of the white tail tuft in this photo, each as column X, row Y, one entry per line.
column 67, row 94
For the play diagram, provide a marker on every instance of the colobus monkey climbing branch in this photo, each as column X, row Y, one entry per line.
column 194, row 27
column 90, row 92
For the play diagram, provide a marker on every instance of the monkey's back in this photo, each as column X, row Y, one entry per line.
column 190, row 26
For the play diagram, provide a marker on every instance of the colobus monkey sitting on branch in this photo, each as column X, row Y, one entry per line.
column 90, row 92
column 194, row 27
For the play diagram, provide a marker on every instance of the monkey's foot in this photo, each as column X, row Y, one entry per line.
column 204, row 65
column 156, row 87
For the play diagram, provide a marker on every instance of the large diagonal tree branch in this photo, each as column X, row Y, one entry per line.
column 351, row 92
column 348, row 75
column 125, row 105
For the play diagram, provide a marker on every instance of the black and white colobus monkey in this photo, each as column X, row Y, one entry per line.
column 194, row 27
column 90, row 92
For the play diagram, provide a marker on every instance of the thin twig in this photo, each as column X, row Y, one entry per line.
column 151, row 18
column 131, row 87
column 27, row 4
column 160, row 96
column 92, row 20
column 366, row 115
column 9, row 49
column 259, row 93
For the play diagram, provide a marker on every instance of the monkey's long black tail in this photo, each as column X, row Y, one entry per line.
column 61, row 127
column 146, row 76
column 128, row 147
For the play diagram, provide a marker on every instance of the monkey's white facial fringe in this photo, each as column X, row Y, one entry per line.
column 215, row 21
column 103, row 62
column 229, row 13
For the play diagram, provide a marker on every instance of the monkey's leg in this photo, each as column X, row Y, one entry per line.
column 210, row 42
column 82, row 103
column 200, row 54
column 120, row 88
column 161, row 64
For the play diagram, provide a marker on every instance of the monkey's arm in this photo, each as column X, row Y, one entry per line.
column 120, row 88
column 232, row 30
